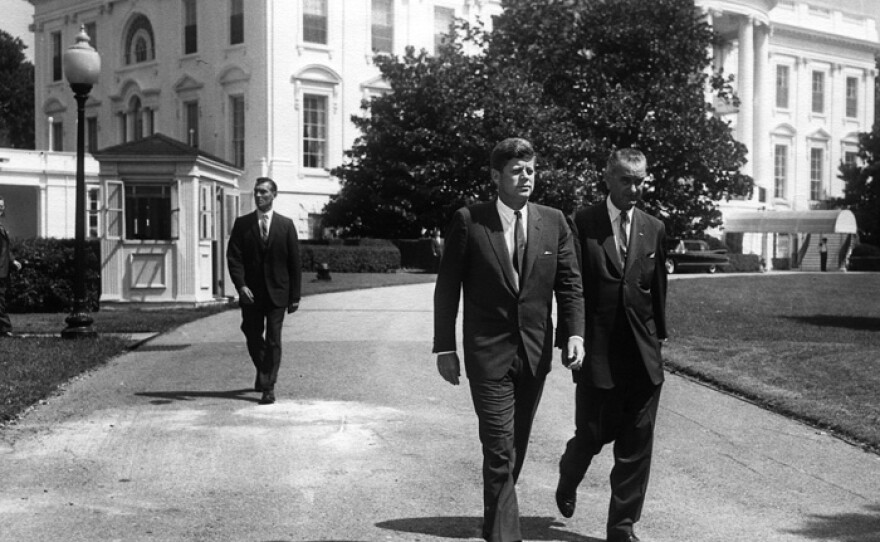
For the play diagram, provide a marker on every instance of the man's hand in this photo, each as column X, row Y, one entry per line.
column 449, row 367
column 16, row 264
column 574, row 353
column 292, row 307
column 245, row 296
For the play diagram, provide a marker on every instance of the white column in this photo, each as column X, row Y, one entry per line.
column 761, row 156
column 746, row 77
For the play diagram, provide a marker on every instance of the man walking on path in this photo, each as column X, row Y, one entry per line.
column 509, row 256
column 620, row 250
column 264, row 263
column 7, row 262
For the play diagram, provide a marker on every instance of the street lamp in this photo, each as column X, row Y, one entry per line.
column 82, row 65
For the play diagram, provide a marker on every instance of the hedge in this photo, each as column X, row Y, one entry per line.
column 743, row 263
column 350, row 259
column 45, row 282
column 417, row 254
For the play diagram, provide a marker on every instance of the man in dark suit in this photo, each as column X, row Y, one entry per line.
column 620, row 251
column 509, row 256
column 264, row 263
column 7, row 262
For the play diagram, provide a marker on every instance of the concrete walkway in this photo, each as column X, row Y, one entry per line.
column 367, row 443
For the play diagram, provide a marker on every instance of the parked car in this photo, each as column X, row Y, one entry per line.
column 694, row 254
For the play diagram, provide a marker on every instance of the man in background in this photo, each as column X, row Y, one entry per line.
column 264, row 263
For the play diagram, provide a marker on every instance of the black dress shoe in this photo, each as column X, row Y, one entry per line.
column 623, row 537
column 566, row 501
column 268, row 398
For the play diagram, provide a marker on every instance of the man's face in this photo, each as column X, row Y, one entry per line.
column 625, row 185
column 264, row 196
column 515, row 182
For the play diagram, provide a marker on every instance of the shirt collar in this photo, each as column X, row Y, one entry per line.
column 506, row 212
column 261, row 214
column 614, row 212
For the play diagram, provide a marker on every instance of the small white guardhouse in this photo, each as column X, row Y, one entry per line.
column 167, row 212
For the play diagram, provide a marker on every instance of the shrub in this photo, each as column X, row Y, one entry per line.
column 417, row 254
column 45, row 282
column 743, row 263
column 865, row 257
column 781, row 264
column 351, row 259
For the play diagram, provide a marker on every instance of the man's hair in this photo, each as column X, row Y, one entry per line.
column 508, row 149
column 269, row 181
column 629, row 156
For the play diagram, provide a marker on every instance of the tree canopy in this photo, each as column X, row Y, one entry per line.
column 578, row 79
column 16, row 94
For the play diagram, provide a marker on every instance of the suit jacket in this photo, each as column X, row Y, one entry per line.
column 639, row 291
column 5, row 253
column 499, row 314
column 272, row 270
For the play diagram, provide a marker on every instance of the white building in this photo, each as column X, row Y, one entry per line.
column 268, row 85
column 805, row 74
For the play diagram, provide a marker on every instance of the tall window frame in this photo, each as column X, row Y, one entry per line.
column 93, row 211
column 57, row 70
column 783, row 86
column 191, row 122
column 817, row 173
column 57, row 135
column 190, row 28
column 236, row 22
column 315, row 22
column 316, row 120
column 382, row 26
column 852, row 97
column 817, row 92
column 92, row 31
column 237, row 117
column 444, row 17
column 780, row 170
column 91, row 133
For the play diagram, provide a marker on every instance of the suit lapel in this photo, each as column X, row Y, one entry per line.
column 495, row 232
column 533, row 241
column 603, row 223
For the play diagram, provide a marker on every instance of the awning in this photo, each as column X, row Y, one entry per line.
column 835, row 221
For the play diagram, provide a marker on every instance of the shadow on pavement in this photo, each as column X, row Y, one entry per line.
column 165, row 397
column 860, row 323
column 533, row 528
column 850, row 527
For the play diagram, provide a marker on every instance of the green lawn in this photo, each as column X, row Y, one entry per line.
column 805, row 345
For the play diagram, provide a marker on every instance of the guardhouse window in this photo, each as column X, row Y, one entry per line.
column 148, row 211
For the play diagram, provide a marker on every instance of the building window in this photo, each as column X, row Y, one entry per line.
column 383, row 26
column 236, row 106
column 314, row 131
column 443, row 19
column 191, row 115
column 316, row 226
column 57, row 72
column 190, row 28
column 852, row 97
column 123, row 127
column 818, row 92
column 782, row 85
column 139, row 42
column 851, row 158
column 315, row 21
column 57, row 136
column 817, row 157
column 91, row 134
column 92, row 31
column 137, row 119
column 148, row 211
column 236, row 22
column 93, row 212
column 206, row 212
column 780, row 170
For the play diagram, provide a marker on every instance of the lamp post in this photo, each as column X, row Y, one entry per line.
column 82, row 65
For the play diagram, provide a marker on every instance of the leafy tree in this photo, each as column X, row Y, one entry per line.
column 16, row 94
column 578, row 78
column 861, row 192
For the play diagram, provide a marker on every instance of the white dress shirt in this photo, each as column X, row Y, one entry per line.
column 268, row 215
column 614, row 213
column 508, row 224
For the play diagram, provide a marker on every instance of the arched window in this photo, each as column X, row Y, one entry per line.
column 139, row 41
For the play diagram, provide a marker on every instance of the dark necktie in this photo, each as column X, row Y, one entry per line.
column 519, row 243
column 624, row 218
column 264, row 228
